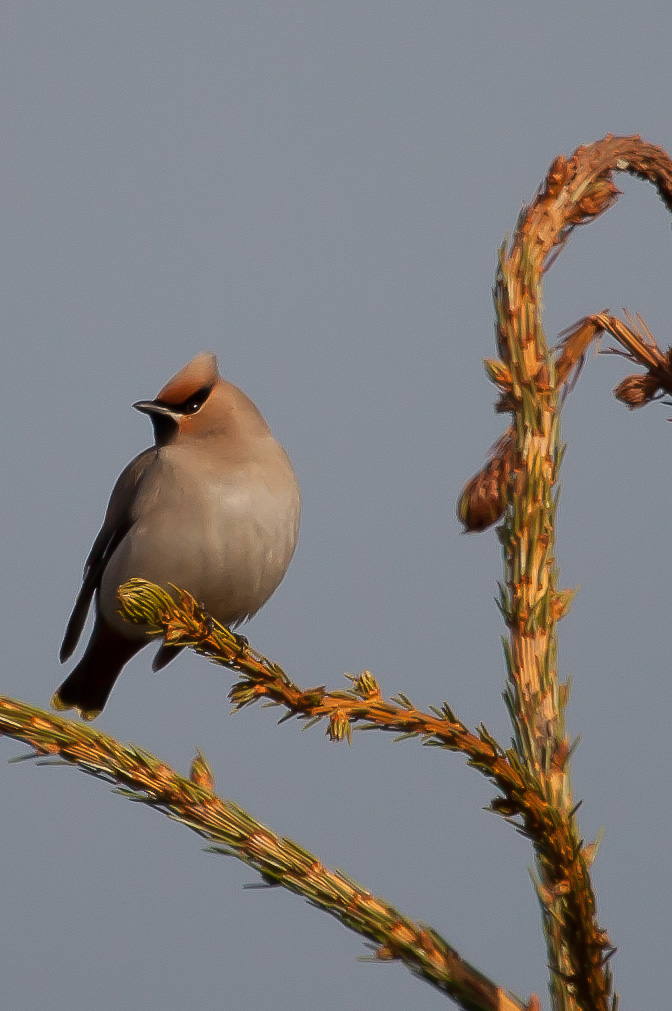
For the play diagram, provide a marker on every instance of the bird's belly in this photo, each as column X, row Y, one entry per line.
column 229, row 549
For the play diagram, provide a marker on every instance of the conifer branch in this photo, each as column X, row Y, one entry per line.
column 519, row 485
column 141, row 777
column 525, row 801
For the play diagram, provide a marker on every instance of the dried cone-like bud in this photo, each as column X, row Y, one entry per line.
column 483, row 499
column 637, row 390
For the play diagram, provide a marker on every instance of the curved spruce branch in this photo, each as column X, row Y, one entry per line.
column 230, row 830
column 519, row 486
column 575, row 192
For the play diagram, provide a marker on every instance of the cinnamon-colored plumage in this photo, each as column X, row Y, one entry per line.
column 213, row 507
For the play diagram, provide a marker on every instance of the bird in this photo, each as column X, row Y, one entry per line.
column 213, row 507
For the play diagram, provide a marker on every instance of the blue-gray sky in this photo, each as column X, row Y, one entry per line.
column 316, row 191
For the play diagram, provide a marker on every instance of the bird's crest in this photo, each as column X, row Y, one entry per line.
column 197, row 374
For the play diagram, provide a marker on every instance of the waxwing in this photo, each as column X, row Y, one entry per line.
column 213, row 508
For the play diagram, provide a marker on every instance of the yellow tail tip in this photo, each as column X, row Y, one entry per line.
column 60, row 706
column 89, row 714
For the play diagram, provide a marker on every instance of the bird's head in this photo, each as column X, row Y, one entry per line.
column 197, row 404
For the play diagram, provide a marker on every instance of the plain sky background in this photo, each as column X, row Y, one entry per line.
column 316, row 191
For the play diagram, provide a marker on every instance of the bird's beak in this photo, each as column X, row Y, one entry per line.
column 151, row 407
column 165, row 422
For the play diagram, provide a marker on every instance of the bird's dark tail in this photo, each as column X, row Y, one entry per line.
column 88, row 687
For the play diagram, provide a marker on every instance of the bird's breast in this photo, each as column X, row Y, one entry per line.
column 225, row 533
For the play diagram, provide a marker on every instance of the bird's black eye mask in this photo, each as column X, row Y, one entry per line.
column 165, row 416
column 192, row 404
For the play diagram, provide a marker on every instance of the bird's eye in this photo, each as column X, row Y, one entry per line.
column 194, row 403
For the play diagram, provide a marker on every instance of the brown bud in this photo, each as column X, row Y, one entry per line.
column 637, row 390
column 483, row 499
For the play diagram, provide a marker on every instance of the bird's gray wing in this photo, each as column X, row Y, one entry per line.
column 118, row 521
